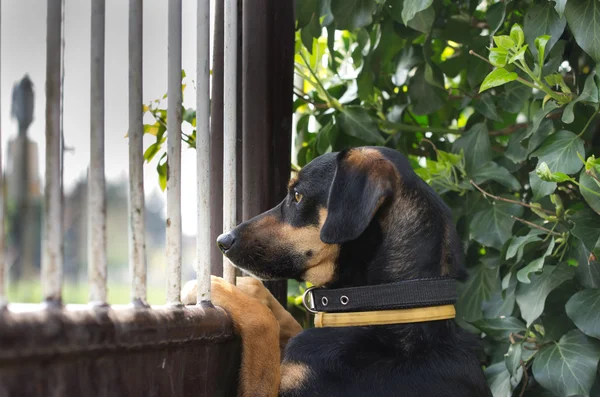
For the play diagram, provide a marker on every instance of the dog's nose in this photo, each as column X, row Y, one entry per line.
column 225, row 241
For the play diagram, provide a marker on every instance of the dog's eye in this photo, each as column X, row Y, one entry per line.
column 297, row 197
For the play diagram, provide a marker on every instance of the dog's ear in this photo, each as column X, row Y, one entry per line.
column 362, row 182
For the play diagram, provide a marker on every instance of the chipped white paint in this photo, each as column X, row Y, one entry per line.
column 96, row 185
column 203, row 155
column 230, row 125
column 174, row 154
column 52, row 240
column 137, row 241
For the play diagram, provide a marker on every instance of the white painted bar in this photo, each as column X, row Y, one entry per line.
column 3, row 299
column 97, row 184
column 230, row 126
column 203, row 155
column 52, row 255
column 174, row 154
column 137, row 240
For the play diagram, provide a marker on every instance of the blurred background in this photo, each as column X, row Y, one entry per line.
column 23, row 107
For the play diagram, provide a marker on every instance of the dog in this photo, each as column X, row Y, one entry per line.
column 360, row 217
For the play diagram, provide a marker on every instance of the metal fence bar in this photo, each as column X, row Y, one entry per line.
column 137, row 240
column 216, row 144
column 230, row 126
column 174, row 154
column 97, row 192
column 52, row 257
column 3, row 299
column 203, row 152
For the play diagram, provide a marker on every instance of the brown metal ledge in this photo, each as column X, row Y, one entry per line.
column 164, row 351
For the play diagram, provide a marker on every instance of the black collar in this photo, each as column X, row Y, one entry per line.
column 399, row 295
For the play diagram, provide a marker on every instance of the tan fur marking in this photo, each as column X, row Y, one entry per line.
column 321, row 264
column 293, row 375
column 292, row 182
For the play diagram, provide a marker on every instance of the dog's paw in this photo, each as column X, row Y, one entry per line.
column 248, row 314
column 255, row 289
column 188, row 293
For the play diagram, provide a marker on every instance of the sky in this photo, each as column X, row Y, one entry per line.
column 23, row 51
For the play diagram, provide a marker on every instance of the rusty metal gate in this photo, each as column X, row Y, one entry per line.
column 243, row 159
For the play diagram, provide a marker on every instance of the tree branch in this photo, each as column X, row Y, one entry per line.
column 509, row 200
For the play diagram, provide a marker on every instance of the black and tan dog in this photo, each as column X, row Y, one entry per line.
column 354, row 218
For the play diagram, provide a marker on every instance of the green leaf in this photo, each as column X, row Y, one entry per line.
column 540, row 46
column 492, row 225
column 498, row 378
column 364, row 81
column 588, row 94
column 482, row 283
column 583, row 17
column 517, row 244
column 513, row 361
column 310, row 32
column 588, row 267
column 587, row 227
column 534, row 266
column 485, row 105
column 514, row 97
column 352, row 14
column 495, row 15
column 568, row 367
column 519, row 55
column 423, row 20
column 504, row 42
column 588, row 186
column 517, row 35
column 305, row 9
column 161, row 169
column 500, row 328
column 476, row 142
column 584, row 309
column 492, row 171
column 539, row 117
column 560, row 150
column 412, row 7
column 497, row 77
column 539, row 187
column 531, row 297
column 326, row 138
column 357, row 122
column 425, row 98
column 542, row 19
column 559, row 6
column 498, row 57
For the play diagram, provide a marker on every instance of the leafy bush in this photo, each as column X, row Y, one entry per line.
column 494, row 103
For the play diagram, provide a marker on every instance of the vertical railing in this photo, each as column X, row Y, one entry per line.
column 96, row 192
column 230, row 125
column 52, row 232
column 137, row 240
column 174, row 154
column 203, row 152
column 3, row 299
column 211, row 146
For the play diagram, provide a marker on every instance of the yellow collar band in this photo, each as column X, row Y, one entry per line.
column 383, row 317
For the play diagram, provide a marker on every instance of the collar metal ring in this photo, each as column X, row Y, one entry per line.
column 309, row 306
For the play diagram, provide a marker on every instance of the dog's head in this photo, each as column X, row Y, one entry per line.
column 360, row 216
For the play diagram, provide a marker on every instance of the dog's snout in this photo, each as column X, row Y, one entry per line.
column 225, row 241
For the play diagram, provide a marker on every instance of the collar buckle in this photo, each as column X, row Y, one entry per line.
column 310, row 306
